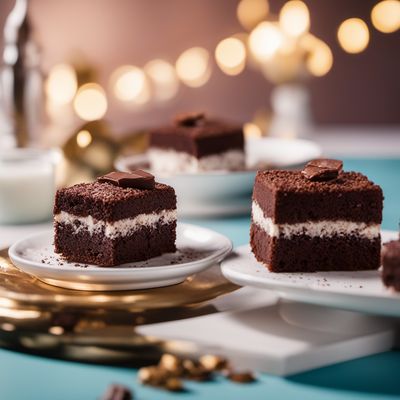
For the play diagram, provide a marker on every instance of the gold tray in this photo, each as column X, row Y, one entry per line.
column 96, row 326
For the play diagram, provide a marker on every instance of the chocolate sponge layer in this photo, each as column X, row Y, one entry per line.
column 288, row 197
column 305, row 254
column 143, row 244
column 212, row 137
column 104, row 201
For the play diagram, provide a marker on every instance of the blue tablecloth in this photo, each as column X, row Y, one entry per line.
column 28, row 377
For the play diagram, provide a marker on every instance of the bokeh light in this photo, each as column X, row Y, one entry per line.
column 284, row 67
column 230, row 55
column 61, row 84
column 385, row 16
column 163, row 78
column 353, row 35
column 90, row 102
column 265, row 40
column 193, row 67
column 251, row 130
column 294, row 18
column 252, row 12
column 56, row 330
column 83, row 138
column 320, row 59
column 129, row 84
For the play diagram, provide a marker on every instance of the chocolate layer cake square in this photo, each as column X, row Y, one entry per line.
column 194, row 143
column 316, row 219
column 391, row 265
column 121, row 218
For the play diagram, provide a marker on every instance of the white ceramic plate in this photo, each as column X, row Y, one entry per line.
column 357, row 291
column 229, row 192
column 198, row 249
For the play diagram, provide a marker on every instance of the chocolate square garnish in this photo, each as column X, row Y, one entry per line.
column 137, row 179
column 190, row 119
column 322, row 169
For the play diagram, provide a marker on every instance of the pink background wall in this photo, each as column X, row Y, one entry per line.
column 360, row 89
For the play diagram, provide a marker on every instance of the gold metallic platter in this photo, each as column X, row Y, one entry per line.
column 23, row 289
column 96, row 327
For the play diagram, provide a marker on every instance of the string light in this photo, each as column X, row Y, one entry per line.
column 193, row 68
column 129, row 84
column 294, row 18
column 61, row 84
column 265, row 40
column 353, row 35
column 251, row 130
column 385, row 16
column 163, row 77
column 230, row 55
column 252, row 12
column 90, row 102
column 83, row 138
column 320, row 59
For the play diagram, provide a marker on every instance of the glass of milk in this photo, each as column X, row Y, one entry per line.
column 27, row 185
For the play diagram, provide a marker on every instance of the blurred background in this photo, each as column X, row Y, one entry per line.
column 102, row 35
column 283, row 68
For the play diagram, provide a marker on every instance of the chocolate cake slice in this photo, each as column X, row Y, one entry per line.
column 391, row 265
column 120, row 218
column 194, row 143
column 317, row 219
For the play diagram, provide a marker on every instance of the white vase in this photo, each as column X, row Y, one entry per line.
column 291, row 112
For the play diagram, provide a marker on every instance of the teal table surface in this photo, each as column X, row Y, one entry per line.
column 374, row 377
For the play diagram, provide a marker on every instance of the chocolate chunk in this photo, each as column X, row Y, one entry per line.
column 319, row 174
column 241, row 377
column 117, row 392
column 190, row 119
column 174, row 385
column 326, row 163
column 322, row 169
column 213, row 363
column 171, row 363
column 195, row 371
column 153, row 375
column 137, row 179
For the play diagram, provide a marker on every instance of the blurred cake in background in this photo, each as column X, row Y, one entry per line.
column 195, row 143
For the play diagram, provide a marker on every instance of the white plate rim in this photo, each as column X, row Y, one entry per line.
column 313, row 294
column 216, row 257
column 120, row 162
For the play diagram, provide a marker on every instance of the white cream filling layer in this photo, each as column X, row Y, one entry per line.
column 314, row 229
column 112, row 230
column 171, row 161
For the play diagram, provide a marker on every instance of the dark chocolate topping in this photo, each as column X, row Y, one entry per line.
column 322, row 169
column 319, row 174
column 326, row 163
column 137, row 179
column 190, row 119
column 287, row 197
column 105, row 201
column 294, row 181
column 200, row 140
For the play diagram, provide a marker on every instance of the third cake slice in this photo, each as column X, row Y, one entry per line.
column 195, row 143
column 321, row 218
